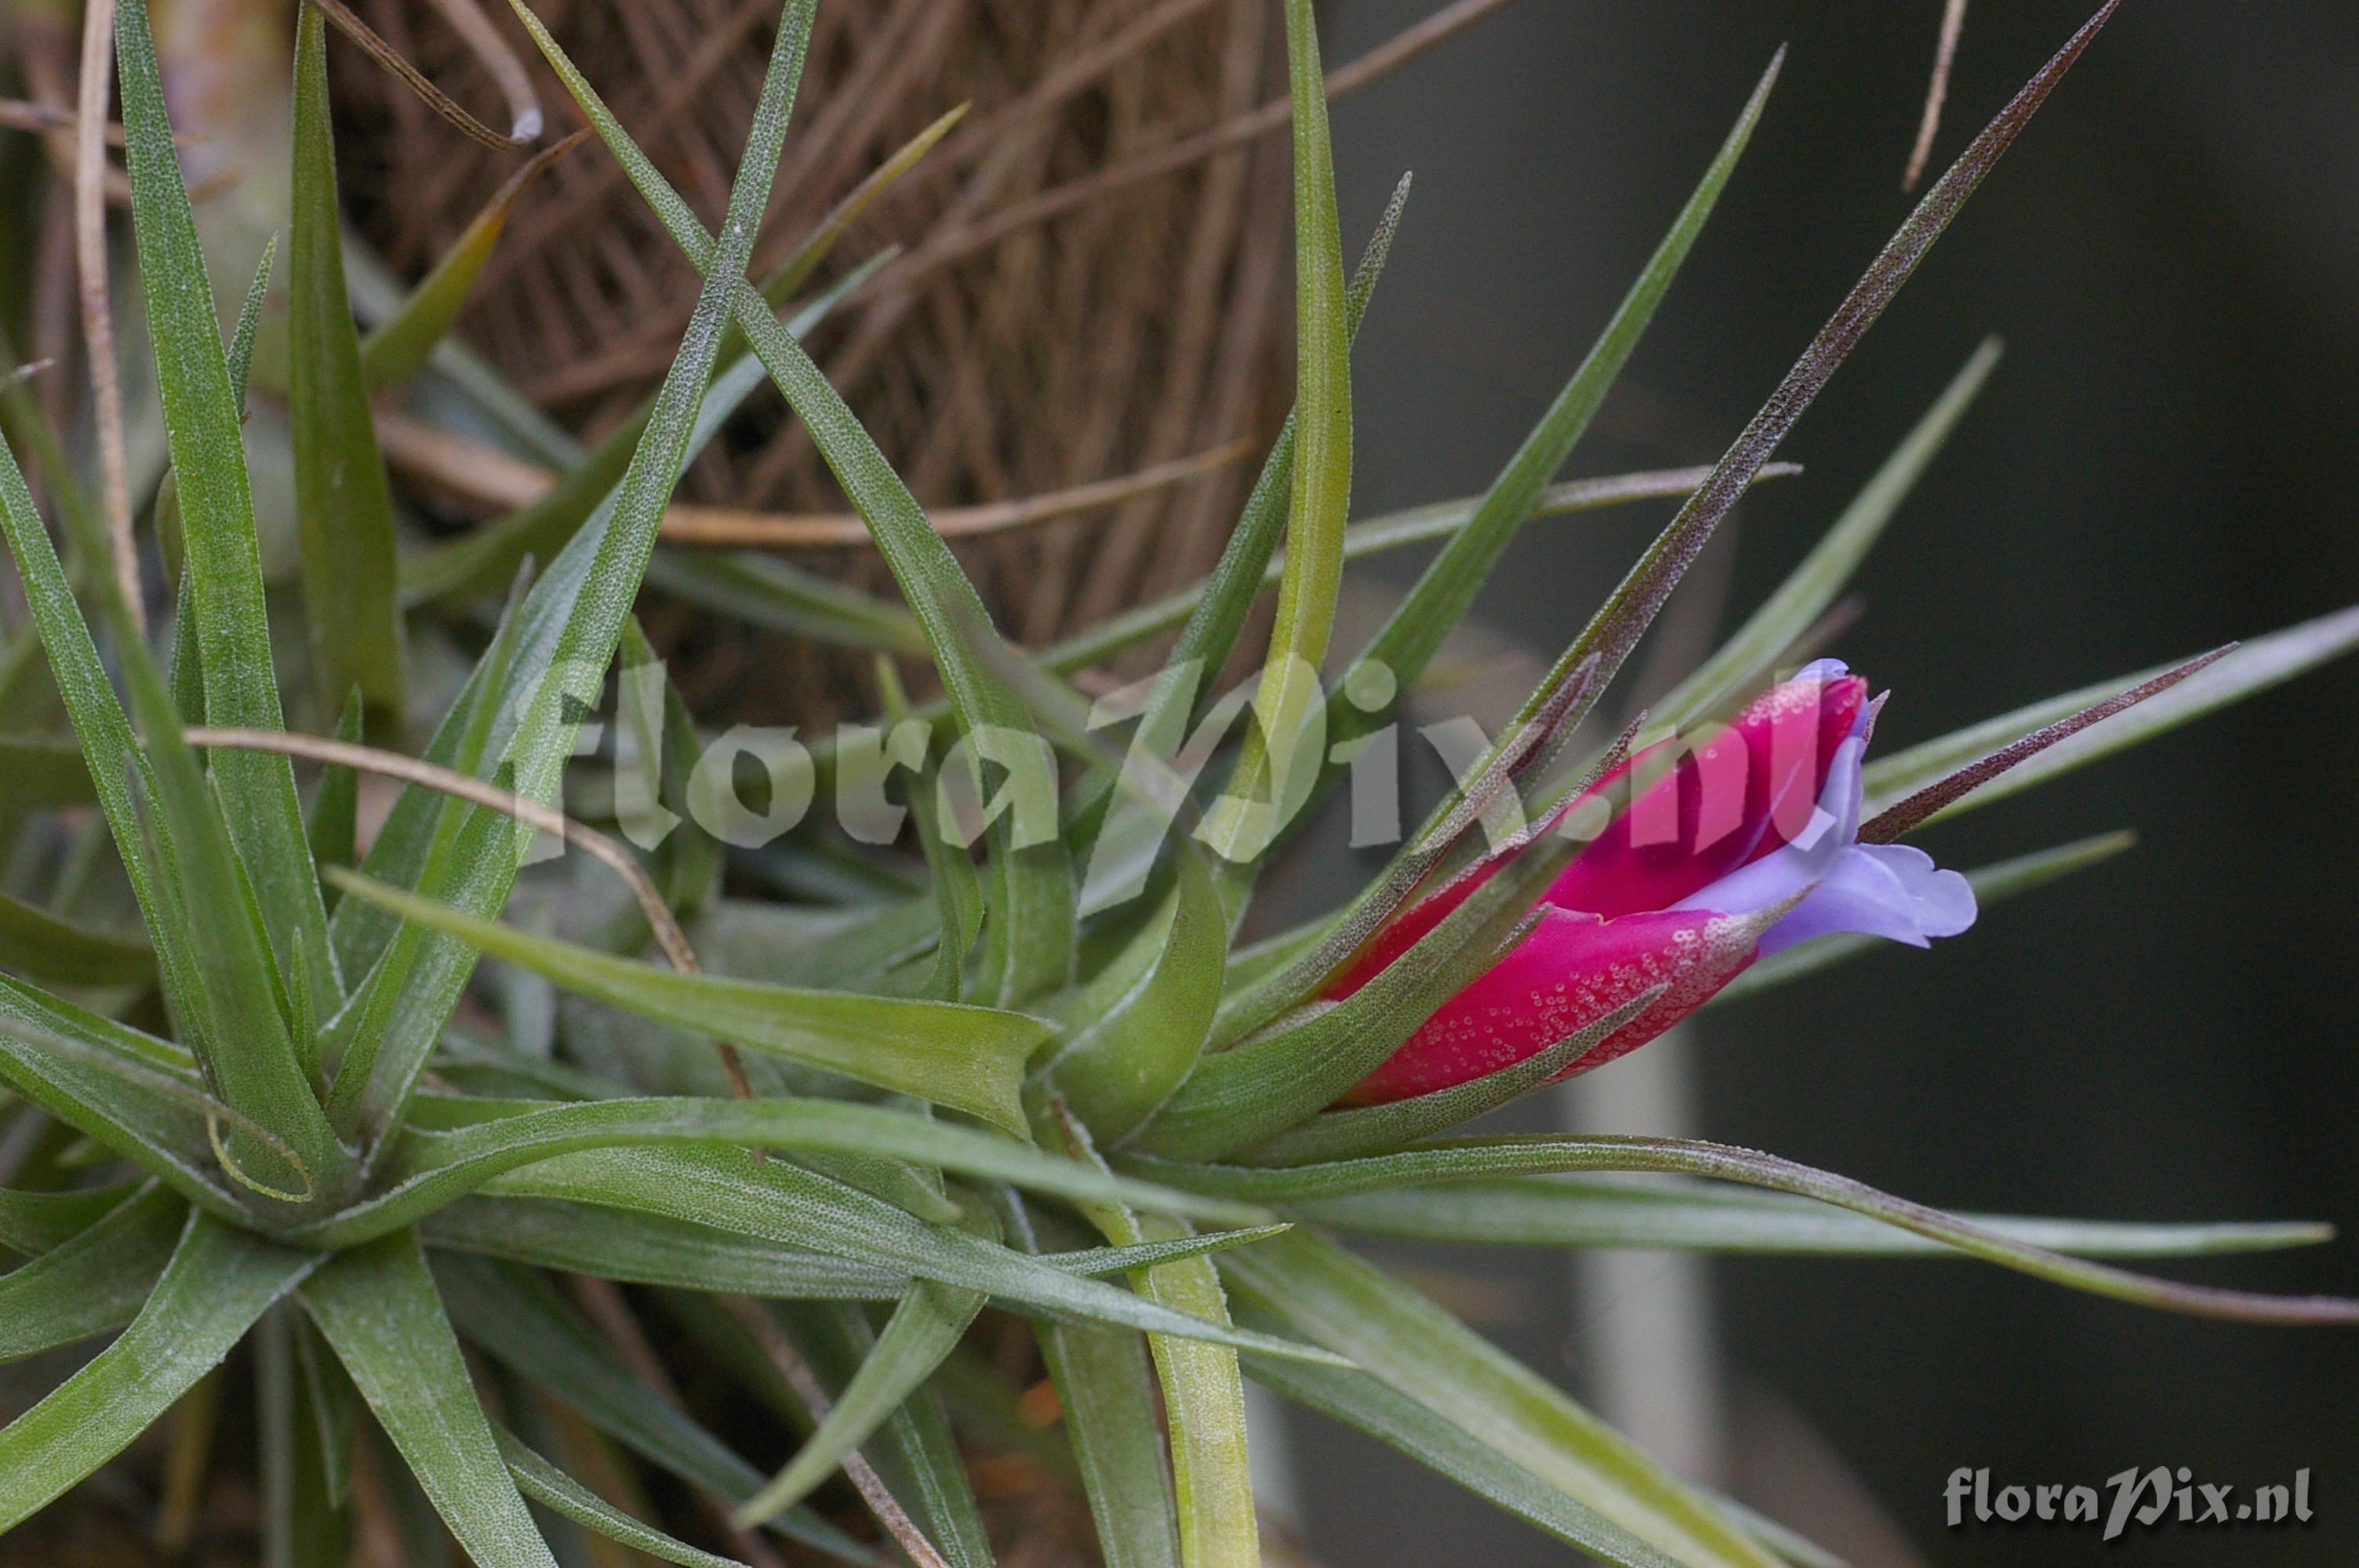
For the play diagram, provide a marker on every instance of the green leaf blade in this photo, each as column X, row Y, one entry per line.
column 1808, row 592
column 35, row 941
column 969, row 1059
column 202, row 420
column 96, row 1280
column 219, row 1281
column 1138, row 1027
column 1426, row 615
column 1408, row 1343
column 565, row 634
column 1670, row 1215
column 1105, row 1389
column 551, row 1487
column 428, row 1169
column 1287, row 700
column 801, row 1208
column 344, row 502
column 399, row 346
column 925, row 1327
column 377, row 1306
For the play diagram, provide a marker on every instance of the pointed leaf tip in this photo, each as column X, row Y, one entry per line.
column 1890, row 824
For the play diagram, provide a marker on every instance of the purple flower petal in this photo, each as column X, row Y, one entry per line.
column 1833, row 825
column 1822, row 670
column 1873, row 890
column 1892, row 891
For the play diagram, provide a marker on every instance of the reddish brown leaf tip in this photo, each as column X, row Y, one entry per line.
column 1891, row 824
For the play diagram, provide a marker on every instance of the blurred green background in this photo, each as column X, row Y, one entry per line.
column 2164, row 461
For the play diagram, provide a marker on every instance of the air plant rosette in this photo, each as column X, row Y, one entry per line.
column 495, row 1237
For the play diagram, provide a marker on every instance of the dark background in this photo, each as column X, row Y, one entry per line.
column 2163, row 461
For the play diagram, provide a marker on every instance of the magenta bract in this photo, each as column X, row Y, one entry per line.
column 1736, row 847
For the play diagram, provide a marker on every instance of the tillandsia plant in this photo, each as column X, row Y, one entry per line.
column 1017, row 1161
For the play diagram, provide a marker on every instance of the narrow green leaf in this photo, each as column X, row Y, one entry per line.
column 35, row 941
column 914, row 1453
column 202, row 421
column 428, row 1168
column 566, row 633
column 477, row 564
column 925, row 1327
column 967, row 1058
column 377, row 294
column 800, row 1208
column 219, row 1281
column 843, row 947
column 167, row 504
column 1487, row 785
column 648, row 1249
column 217, row 973
column 1218, row 608
column 1105, row 1389
column 1425, row 617
column 1029, row 939
column 302, row 1523
column 780, row 596
column 1370, row 1405
column 334, row 828
column 2251, row 667
column 1238, row 825
column 249, row 324
column 805, row 259
column 1430, row 523
column 1510, row 1412
column 1204, row 1403
column 125, row 1090
column 184, row 666
column 423, row 825
column 344, row 504
column 1546, row 1153
column 950, row 865
column 1676, row 1215
column 1740, row 664
column 377, row 1306
column 588, row 485
column 330, row 1403
column 687, row 862
column 1251, row 1092
column 32, row 1223
column 92, row 1281
column 398, row 347
column 237, row 1007
column 551, row 1487
column 1203, row 1394
column 523, row 1322
column 833, row 1341
column 1135, row 1032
